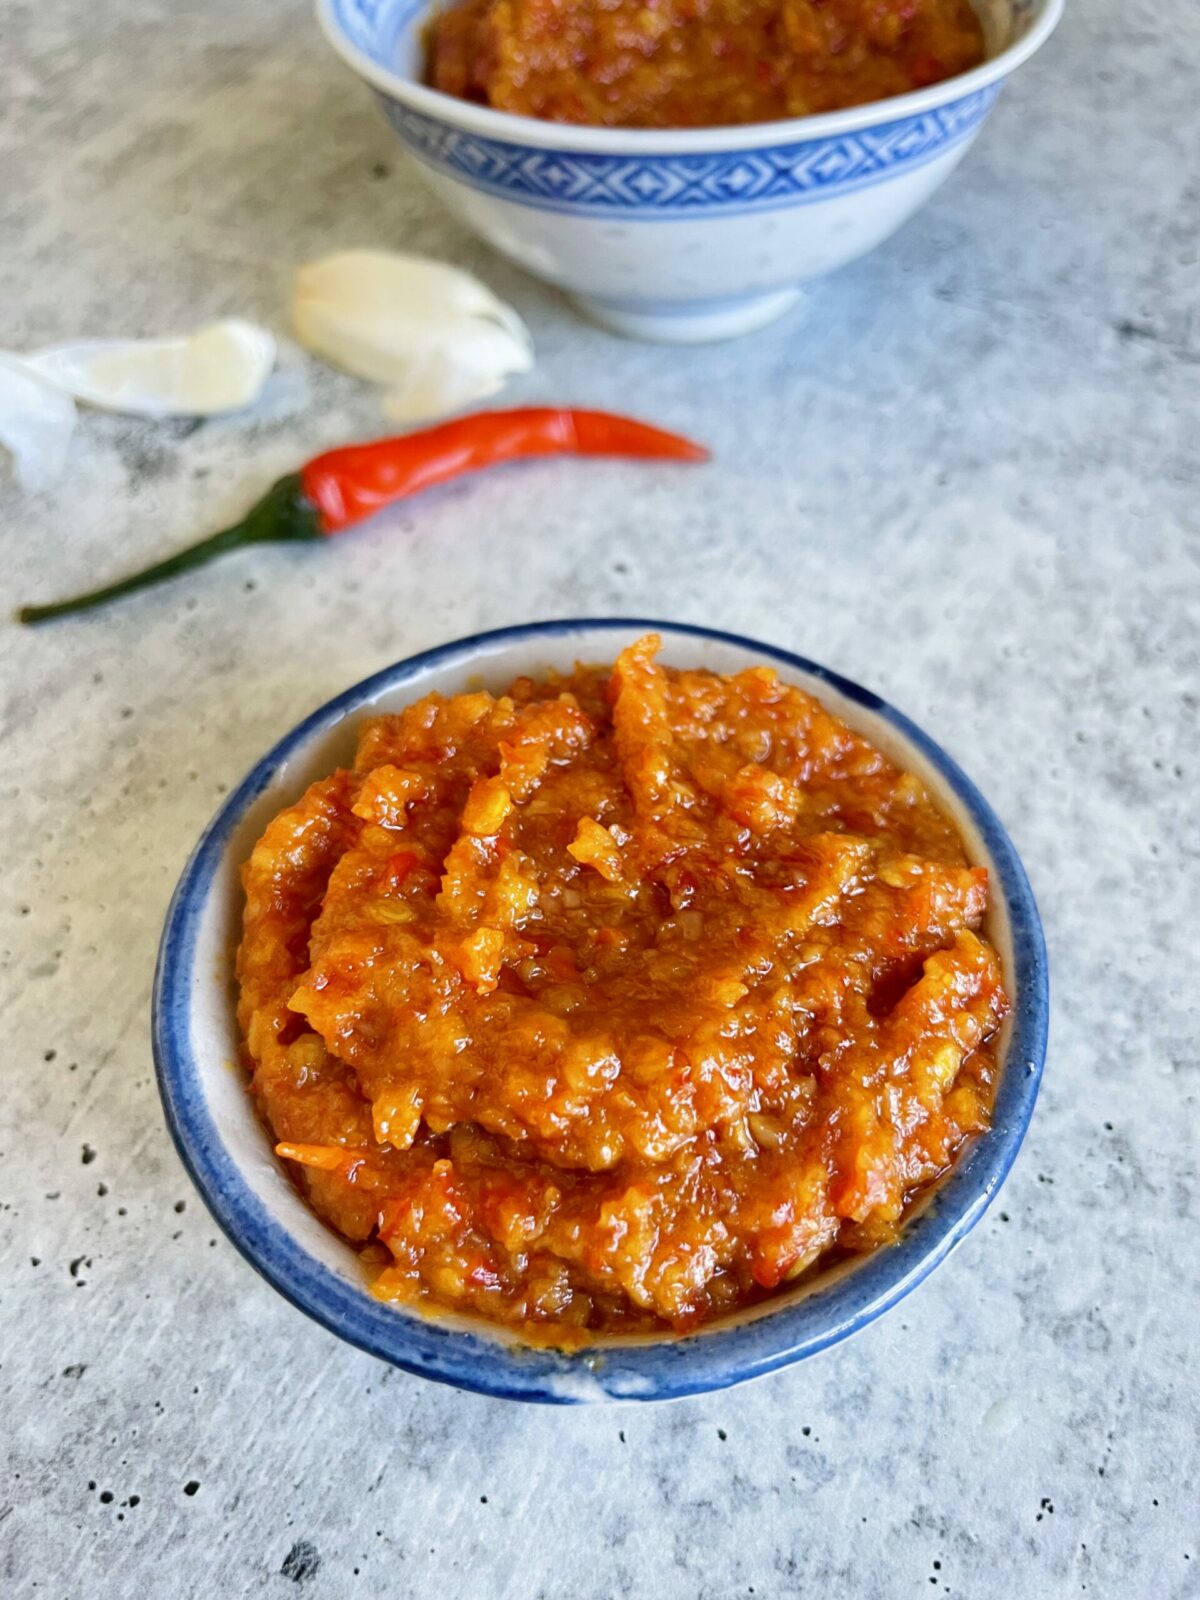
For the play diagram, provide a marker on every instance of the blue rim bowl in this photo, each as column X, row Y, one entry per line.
column 227, row 1153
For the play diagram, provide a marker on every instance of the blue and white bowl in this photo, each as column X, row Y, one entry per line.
column 685, row 235
column 228, row 1154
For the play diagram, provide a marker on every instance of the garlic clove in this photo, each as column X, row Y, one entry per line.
column 435, row 335
column 222, row 367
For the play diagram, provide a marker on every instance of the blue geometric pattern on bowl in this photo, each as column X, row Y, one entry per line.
column 662, row 186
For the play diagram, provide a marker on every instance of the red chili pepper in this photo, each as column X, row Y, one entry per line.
column 343, row 486
column 352, row 483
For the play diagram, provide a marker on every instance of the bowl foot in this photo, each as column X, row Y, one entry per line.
column 686, row 321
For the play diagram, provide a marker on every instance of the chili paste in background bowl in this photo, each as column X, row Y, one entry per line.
column 695, row 63
column 627, row 1030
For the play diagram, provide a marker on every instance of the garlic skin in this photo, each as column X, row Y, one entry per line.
column 36, row 423
column 219, row 368
column 435, row 336
column 437, row 387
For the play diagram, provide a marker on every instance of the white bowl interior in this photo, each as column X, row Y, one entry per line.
column 329, row 743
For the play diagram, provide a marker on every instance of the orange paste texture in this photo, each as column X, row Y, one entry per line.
column 616, row 1001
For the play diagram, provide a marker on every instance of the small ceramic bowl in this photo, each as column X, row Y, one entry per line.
column 229, row 1157
column 680, row 235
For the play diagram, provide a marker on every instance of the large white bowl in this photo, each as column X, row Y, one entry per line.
column 681, row 235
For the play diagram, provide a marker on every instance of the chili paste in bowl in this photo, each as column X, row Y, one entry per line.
column 623, row 1029
column 695, row 63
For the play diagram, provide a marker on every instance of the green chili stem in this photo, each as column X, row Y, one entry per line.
column 283, row 513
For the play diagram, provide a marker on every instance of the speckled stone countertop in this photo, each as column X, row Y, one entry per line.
column 965, row 473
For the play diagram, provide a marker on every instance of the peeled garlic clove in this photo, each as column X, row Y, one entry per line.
column 219, row 368
column 435, row 335
column 36, row 424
